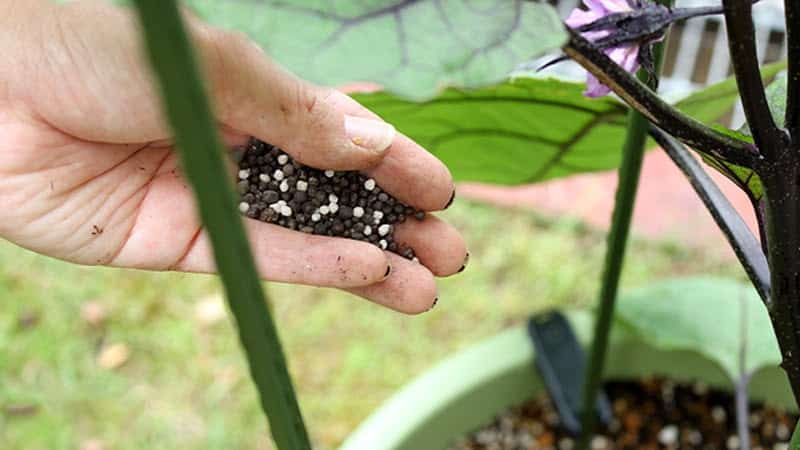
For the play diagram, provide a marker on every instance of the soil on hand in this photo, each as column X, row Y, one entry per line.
column 651, row 414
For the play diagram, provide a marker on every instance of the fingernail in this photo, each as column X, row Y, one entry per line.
column 374, row 135
column 466, row 261
column 388, row 271
column 452, row 198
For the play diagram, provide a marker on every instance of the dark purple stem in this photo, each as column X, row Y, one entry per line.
column 660, row 113
column 744, row 56
column 747, row 248
column 793, row 51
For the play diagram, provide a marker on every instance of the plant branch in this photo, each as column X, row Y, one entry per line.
column 200, row 149
column 793, row 52
column 636, row 94
column 744, row 57
column 736, row 231
column 780, row 181
column 629, row 173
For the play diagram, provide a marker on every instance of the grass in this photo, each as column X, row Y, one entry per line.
column 184, row 385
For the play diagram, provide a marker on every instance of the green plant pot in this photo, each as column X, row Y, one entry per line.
column 469, row 389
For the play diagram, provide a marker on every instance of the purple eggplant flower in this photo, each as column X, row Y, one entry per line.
column 626, row 55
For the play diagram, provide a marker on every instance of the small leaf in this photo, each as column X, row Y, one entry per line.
column 411, row 47
column 522, row 131
column 703, row 315
column 712, row 102
column 745, row 178
column 776, row 97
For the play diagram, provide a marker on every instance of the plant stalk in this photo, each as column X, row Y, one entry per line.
column 629, row 172
column 201, row 152
column 747, row 248
column 639, row 97
column 627, row 185
column 782, row 186
column 792, row 8
column 742, row 44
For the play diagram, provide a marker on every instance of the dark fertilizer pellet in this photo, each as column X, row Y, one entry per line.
column 651, row 414
column 276, row 189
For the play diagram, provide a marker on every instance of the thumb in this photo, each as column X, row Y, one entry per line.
column 257, row 97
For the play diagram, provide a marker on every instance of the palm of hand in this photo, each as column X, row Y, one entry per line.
column 93, row 203
column 107, row 190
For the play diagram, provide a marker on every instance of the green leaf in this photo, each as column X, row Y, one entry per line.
column 202, row 159
column 776, row 97
column 411, row 47
column 522, row 131
column 706, row 316
column 745, row 178
column 712, row 102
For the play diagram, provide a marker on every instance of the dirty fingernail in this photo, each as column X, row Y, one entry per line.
column 466, row 261
column 452, row 198
column 374, row 135
column 388, row 271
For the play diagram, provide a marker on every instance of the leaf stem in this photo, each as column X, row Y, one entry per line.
column 792, row 8
column 201, row 154
column 744, row 57
column 780, row 180
column 736, row 231
column 636, row 94
column 629, row 173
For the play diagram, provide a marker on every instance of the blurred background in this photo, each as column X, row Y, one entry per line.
column 96, row 359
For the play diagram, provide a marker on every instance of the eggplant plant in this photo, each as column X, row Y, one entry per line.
column 527, row 128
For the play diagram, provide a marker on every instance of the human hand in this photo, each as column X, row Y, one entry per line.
column 88, row 172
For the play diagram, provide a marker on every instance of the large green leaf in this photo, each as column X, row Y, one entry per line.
column 715, row 317
column 532, row 129
column 412, row 47
column 521, row 131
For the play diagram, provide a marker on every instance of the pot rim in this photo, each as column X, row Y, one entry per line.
column 498, row 372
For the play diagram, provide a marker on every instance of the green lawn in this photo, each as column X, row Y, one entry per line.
column 184, row 385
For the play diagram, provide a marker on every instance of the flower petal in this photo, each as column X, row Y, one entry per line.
column 627, row 57
column 594, row 88
column 605, row 7
column 617, row 6
column 579, row 17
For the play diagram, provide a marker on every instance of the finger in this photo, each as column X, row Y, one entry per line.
column 258, row 97
column 437, row 244
column 408, row 171
column 410, row 288
column 292, row 257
